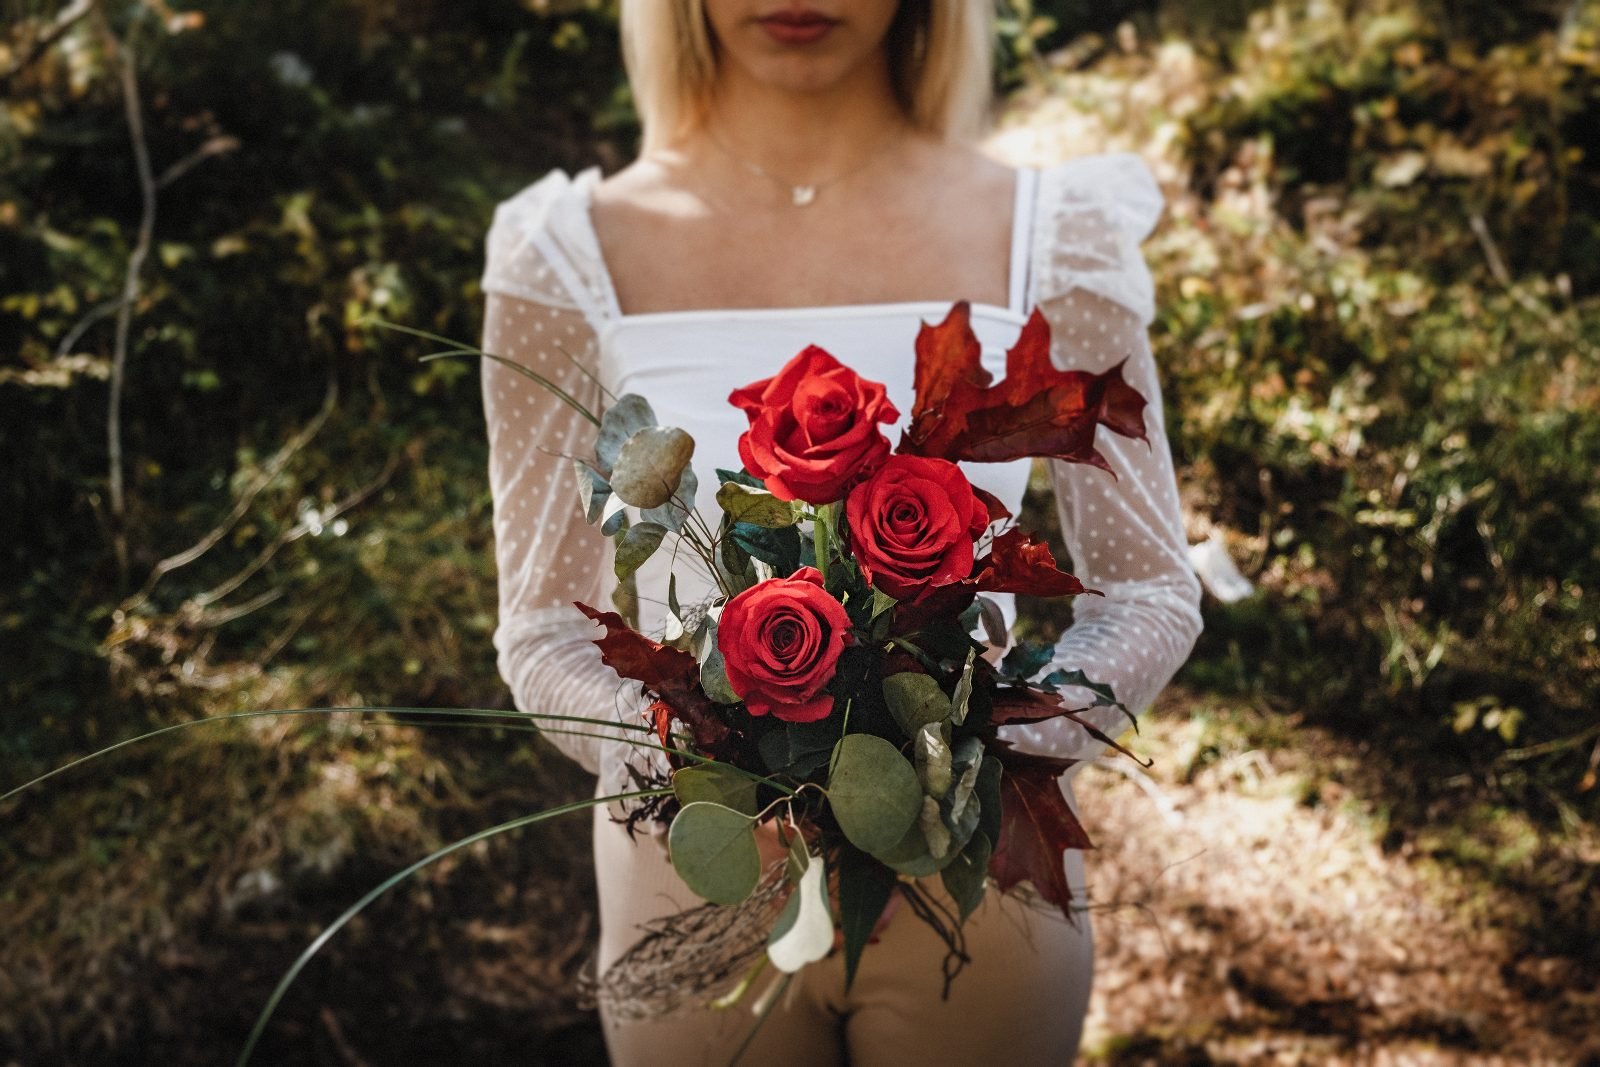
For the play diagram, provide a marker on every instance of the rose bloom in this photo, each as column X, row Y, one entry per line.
column 780, row 642
column 913, row 525
column 813, row 428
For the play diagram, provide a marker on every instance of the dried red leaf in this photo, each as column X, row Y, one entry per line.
column 1036, row 410
column 670, row 674
column 1037, row 827
column 1016, row 563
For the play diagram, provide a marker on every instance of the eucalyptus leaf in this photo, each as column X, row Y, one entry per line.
column 804, row 931
column 713, row 849
column 593, row 491
column 909, row 855
column 967, row 763
column 963, row 694
column 630, row 414
column 873, row 791
column 934, row 831
column 717, row 784
column 714, row 678
column 650, row 465
column 987, row 794
column 675, row 512
column 756, row 506
column 967, row 876
column 933, row 757
column 797, row 748
column 915, row 700
column 636, row 546
column 613, row 516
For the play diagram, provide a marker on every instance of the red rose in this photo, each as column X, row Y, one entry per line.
column 913, row 525
column 813, row 428
column 780, row 642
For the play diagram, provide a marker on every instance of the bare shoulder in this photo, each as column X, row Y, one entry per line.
column 647, row 191
column 964, row 171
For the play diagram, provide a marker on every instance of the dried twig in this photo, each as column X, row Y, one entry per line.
column 241, row 505
column 65, row 19
column 125, row 59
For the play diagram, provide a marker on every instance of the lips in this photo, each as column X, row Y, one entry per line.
column 797, row 27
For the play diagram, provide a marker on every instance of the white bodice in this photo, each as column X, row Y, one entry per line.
column 551, row 306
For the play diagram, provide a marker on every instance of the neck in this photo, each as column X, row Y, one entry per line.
column 802, row 136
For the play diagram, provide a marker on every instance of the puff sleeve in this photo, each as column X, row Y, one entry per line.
column 1125, row 533
column 546, row 557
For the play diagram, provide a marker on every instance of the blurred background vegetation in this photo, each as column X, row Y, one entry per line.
column 1380, row 329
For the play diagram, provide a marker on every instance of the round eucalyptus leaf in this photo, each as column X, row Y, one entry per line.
column 649, row 465
column 717, row 784
column 910, row 855
column 636, row 546
column 874, row 792
column 713, row 849
column 630, row 414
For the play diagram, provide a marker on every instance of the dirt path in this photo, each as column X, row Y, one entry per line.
column 1249, row 916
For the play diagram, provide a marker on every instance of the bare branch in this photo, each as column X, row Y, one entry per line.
column 65, row 19
column 124, row 56
column 273, row 468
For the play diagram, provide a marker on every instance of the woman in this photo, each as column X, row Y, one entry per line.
column 806, row 177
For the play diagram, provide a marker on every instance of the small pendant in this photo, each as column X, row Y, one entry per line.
column 803, row 194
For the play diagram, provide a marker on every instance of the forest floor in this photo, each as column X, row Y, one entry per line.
column 1247, row 912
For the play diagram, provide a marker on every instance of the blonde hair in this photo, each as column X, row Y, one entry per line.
column 941, row 55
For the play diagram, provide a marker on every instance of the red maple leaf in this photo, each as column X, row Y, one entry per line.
column 1016, row 563
column 670, row 674
column 1036, row 827
column 1036, row 410
column 1025, row 705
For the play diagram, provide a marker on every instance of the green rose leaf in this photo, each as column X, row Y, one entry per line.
column 756, row 507
column 915, row 700
column 713, row 849
column 636, row 546
column 717, row 784
column 874, row 792
column 650, row 464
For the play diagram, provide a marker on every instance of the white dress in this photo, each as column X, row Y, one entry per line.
column 551, row 306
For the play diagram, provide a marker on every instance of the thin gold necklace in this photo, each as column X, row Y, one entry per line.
column 800, row 195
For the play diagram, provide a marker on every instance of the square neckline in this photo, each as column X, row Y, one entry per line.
column 1025, row 191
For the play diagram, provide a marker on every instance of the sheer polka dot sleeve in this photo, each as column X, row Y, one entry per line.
column 546, row 555
column 1125, row 533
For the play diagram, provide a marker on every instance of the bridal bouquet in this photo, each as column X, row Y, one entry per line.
column 831, row 695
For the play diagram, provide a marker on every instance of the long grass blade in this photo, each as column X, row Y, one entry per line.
column 457, row 348
column 448, row 712
column 394, row 880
